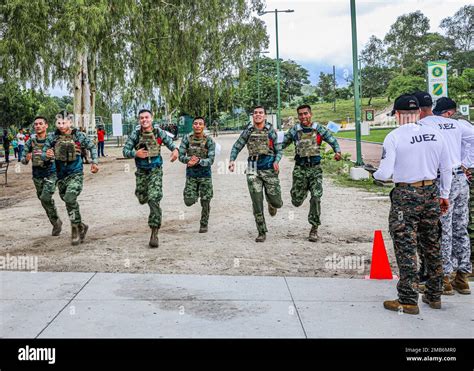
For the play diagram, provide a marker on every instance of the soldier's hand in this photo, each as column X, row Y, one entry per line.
column 276, row 166
column 338, row 156
column 193, row 161
column 141, row 153
column 28, row 156
column 468, row 173
column 94, row 168
column 444, row 205
column 232, row 166
column 50, row 153
column 174, row 155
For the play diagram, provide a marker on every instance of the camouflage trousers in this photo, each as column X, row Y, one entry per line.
column 308, row 179
column 199, row 188
column 455, row 243
column 470, row 227
column 45, row 188
column 149, row 189
column 414, row 219
column 259, row 181
column 69, row 189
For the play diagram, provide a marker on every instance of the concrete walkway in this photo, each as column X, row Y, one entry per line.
column 122, row 305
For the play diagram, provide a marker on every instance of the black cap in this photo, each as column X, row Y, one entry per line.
column 405, row 102
column 424, row 98
column 444, row 104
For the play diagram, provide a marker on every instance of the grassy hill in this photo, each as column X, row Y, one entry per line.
column 323, row 112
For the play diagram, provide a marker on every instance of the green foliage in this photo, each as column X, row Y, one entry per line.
column 405, row 84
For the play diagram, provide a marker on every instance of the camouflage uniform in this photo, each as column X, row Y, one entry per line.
column 307, row 173
column 149, row 174
column 263, row 152
column 198, row 177
column 44, row 176
column 69, row 167
column 414, row 216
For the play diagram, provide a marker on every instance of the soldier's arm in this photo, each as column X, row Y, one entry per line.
column 87, row 143
column 288, row 138
column 329, row 138
column 387, row 163
column 276, row 145
column 239, row 144
column 182, row 150
column 167, row 140
column 211, row 153
column 28, row 149
column 129, row 147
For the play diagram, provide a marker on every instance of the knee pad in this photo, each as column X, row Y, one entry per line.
column 70, row 198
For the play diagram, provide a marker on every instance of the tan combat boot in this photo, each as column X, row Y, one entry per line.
column 57, row 227
column 396, row 306
column 461, row 283
column 261, row 237
column 75, row 234
column 432, row 304
column 313, row 234
column 154, row 238
column 272, row 210
column 447, row 288
column 82, row 231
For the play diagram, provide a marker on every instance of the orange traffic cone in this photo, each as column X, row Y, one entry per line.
column 380, row 267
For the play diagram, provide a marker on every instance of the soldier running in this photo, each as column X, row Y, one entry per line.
column 412, row 155
column 44, row 172
column 197, row 150
column 144, row 145
column 307, row 173
column 64, row 146
column 262, row 171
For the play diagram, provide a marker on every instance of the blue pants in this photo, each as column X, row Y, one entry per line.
column 100, row 148
column 20, row 151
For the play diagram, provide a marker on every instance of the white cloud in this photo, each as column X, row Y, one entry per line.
column 320, row 31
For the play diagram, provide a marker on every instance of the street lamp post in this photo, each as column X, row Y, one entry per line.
column 276, row 11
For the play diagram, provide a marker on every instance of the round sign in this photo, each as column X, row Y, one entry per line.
column 437, row 71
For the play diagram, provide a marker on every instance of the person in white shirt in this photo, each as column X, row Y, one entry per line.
column 412, row 156
column 455, row 243
column 20, row 137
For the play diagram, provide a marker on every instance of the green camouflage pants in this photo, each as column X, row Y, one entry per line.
column 471, row 214
column 45, row 188
column 149, row 189
column 199, row 188
column 414, row 219
column 308, row 179
column 69, row 189
column 257, row 182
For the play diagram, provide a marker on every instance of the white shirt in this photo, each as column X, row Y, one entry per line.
column 455, row 134
column 20, row 139
column 412, row 153
column 467, row 149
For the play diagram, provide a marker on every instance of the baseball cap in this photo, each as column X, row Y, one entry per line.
column 405, row 102
column 424, row 98
column 443, row 104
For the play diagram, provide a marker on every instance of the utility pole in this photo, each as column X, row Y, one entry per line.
column 355, row 68
column 334, row 85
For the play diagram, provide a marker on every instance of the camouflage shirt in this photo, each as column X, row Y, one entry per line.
column 129, row 150
column 65, row 169
column 264, row 162
column 39, row 172
column 203, row 168
column 291, row 136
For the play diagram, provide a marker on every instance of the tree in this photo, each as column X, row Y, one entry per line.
column 461, row 88
column 404, row 85
column 326, row 86
column 404, row 38
column 460, row 27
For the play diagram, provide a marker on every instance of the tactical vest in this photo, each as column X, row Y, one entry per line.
column 197, row 147
column 259, row 143
column 308, row 144
column 66, row 149
column 148, row 141
column 36, row 152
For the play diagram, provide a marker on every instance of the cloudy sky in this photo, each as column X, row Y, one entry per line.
column 318, row 33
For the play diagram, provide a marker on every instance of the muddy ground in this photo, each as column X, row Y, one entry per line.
column 118, row 235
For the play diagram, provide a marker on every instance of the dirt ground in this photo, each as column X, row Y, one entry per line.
column 118, row 235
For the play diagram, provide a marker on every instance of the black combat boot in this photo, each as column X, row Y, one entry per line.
column 154, row 238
